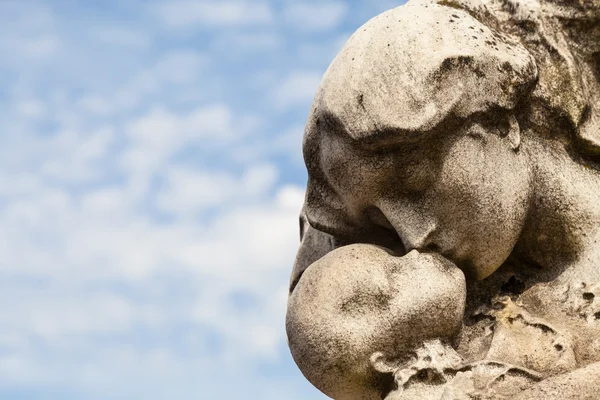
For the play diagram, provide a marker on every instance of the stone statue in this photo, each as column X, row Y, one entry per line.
column 450, row 236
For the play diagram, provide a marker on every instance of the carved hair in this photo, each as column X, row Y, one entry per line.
column 564, row 38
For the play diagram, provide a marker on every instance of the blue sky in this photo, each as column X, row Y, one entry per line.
column 151, row 177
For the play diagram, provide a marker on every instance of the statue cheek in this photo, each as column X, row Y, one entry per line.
column 418, row 177
column 462, row 170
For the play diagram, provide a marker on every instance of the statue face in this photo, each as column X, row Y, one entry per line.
column 463, row 194
column 359, row 300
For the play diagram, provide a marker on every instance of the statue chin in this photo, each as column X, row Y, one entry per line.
column 469, row 134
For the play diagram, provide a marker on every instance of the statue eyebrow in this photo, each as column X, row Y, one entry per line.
column 330, row 123
column 401, row 141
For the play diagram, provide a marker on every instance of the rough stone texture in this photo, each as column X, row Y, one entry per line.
column 450, row 237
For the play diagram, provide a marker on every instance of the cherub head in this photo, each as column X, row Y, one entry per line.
column 360, row 312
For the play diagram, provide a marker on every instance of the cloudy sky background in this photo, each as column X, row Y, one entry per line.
column 150, row 181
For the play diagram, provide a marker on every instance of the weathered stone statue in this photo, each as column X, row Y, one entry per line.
column 450, row 237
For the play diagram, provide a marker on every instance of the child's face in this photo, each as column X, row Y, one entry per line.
column 428, row 296
column 358, row 300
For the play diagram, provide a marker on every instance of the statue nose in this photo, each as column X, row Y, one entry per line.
column 418, row 238
column 414, row 228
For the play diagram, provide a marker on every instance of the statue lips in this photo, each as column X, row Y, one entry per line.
column 455, row 253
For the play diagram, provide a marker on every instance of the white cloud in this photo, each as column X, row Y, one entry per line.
column 159, row 127
column 122, row 36
column 288, row 143
column 133, row 266
column 79, row 239
column 29, row 48
column 67, row 314
column 289, row 197
column 259, row 179
column 28, row 32
column 174, row 70
column 31, row 108
column 315, row 16
column 156, row 136
column 210, row 14
column 85, row 151
column 245, row 249
column 322, row 52
column 40, row 47
column 240, row 44
column 298, row 88
column 189, row 191
column 95, row 104
column 71, row 154
column 179, row 66
column 104, row 200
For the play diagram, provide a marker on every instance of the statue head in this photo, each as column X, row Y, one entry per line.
column 414, row 138
column 359, row 312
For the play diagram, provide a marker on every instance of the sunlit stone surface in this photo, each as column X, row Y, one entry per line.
column 451, row 229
